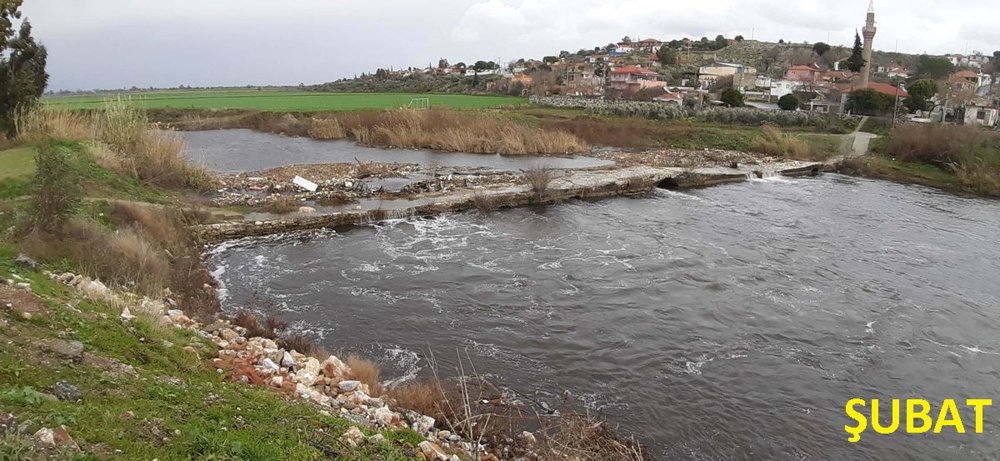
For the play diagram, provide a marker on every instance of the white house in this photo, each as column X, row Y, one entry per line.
column 981, row 116
column 471, row 72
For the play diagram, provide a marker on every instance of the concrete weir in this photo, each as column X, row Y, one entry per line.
column 572, row 184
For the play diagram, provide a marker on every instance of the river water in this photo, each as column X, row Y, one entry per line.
column 727, row 323
column 236, row 151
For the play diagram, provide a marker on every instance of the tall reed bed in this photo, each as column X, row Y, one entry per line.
column 456, row 132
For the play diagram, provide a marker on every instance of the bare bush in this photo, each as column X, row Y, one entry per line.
column 583, row 437
column 538, row 178
column 483, row 203
column 934, row 143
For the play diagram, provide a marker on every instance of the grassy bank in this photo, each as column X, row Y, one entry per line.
column 136, row 390
column 281, row 101
column 953, row 158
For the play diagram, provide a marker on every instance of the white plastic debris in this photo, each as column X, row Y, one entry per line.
column 305, row 183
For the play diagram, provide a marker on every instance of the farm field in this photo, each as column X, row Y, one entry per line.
column 282, row 101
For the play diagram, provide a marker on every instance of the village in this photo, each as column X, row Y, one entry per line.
column 956, row 88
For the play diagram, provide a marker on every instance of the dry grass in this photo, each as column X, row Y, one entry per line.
column 423, row 396
column 538, row 178
column 326, row 129
column 269, row 328
column 367, row 372
column 776, row 143
column 334, row 199
column 123, row 258
column 39, row 123
column 583, row 437
column 483, row 203
column 282, row 204
column 934, row 143
column 456, row 132
column 980, row 176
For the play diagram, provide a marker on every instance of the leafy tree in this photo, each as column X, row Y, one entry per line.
column 924, row 88
column 781, row 41
column 626, row 39
column 442, row 63
column 788, row 102
column 720, row 41
column 921, row 92
column 732, row 97
column 870, row 102
column 22, row 65
column 738, row 38
column 666, row 55
column 935, row 68
column 821, row 48
column 550, row 59
column 857, row 60
column 461, row 66
column 564, row 54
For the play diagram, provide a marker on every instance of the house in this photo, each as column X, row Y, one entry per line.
column 889, row 90
column 743, row 77
column 671, row 97
column 634, row 78
column 623, row 49
column 898, row 72
column 802, row 74
column 969, row 79
column 976, row 60
column 781, row 88
column 470, row 72
column 649, row 45
column 981, row 115
column 523, row 79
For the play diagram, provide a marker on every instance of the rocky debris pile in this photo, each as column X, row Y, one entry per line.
column 451, row 181
column 326, row 382
column 686, row 158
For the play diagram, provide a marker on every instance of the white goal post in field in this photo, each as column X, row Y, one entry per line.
column 419, row 104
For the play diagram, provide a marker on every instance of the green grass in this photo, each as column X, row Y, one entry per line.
column 177, row 407
column 282, row 101
column 17, row 162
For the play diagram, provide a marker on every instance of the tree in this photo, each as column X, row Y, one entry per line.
column 857, row 60
column 22, row 66
column 821, row 48
column 788, row 102
column 720, row 41
column 934, row 68
column 781, row 41
column 738, row 38
column 732, row 97
column 921, row 92
column 666, row 55
column 626, row 39
column 550, row 59
column 870, row 102
column 442, row 63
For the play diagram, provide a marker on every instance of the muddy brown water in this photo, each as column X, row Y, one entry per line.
column 727, row 323
column 236, row 151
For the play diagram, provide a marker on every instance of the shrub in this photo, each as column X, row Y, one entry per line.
column 301, row 343
column 423, row 396
column 538, row 178
column 57, row 188
column 269, row 328
column 788, row 102
column 122, row 123
column 732, row 97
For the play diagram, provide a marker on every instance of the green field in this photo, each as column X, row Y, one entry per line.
column 282, row 101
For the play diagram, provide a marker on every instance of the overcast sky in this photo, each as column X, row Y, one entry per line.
column 121, row 43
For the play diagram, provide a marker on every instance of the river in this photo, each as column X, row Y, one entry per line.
column 237, row 151
column 732, row 322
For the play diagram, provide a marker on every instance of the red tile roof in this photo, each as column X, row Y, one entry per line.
column 632, row 70
column 888, row 89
